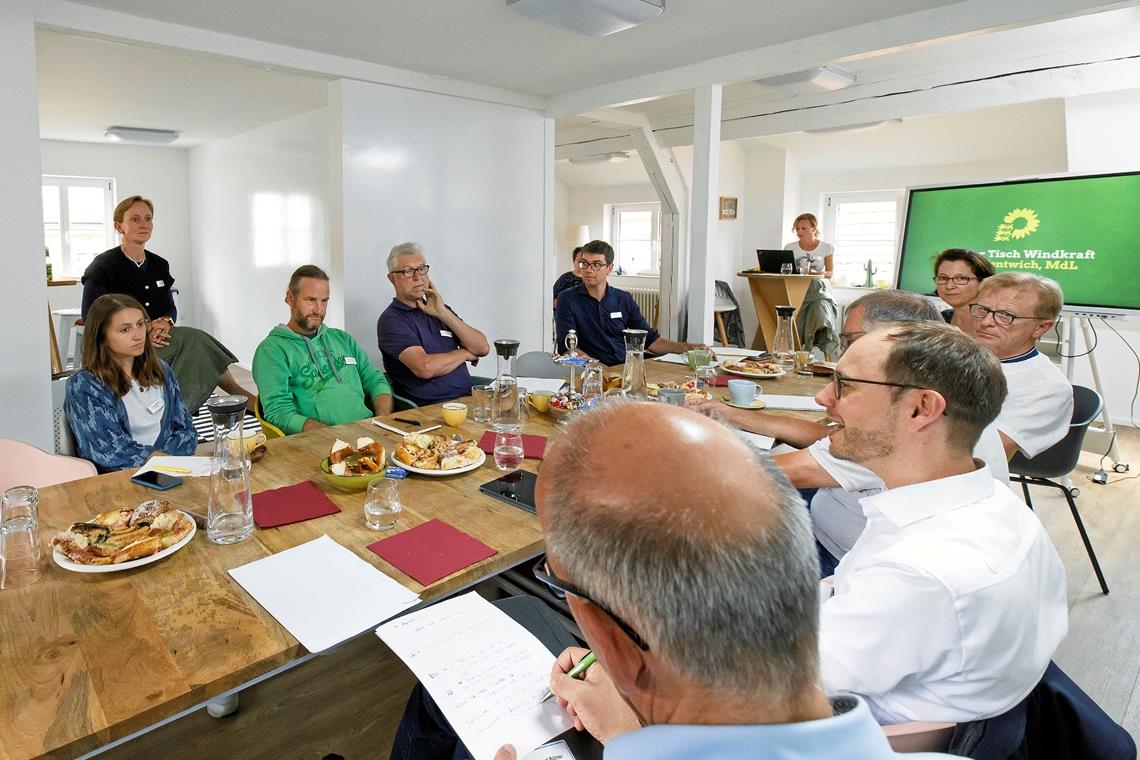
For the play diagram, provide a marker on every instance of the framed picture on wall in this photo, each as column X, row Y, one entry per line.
column 727, row 207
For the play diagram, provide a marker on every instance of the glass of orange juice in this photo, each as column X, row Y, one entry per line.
column 454, row 413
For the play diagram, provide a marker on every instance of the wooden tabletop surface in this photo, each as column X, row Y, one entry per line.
column 89, row 658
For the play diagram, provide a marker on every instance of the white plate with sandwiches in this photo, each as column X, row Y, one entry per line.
column 78, row 567
column 761, row 370
column 437, row 455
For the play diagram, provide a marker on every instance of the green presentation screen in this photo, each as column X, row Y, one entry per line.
column 1083, row 232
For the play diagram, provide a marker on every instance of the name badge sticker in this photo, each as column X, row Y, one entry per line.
column 615, row 315
column 159, row 283
column 446, row 334
column 156, row 406
column 350, row 360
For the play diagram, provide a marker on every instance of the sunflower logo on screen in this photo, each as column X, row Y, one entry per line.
column 1017, row 224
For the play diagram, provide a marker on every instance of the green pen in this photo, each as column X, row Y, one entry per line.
column 577, row 671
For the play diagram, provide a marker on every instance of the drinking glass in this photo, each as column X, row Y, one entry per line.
column 481, row 406
column 19, row 538
column 785, row 269
column 698, row 357
column 803, row 265
column 706, row 377
column 803, row 362
column 454, row 413
column 382, row 504
column 508, row 450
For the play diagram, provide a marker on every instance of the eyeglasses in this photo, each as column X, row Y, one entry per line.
column 958, row 279
column 847, row 338
column 567, row 587
column 410, row 272
column 1003, row 318
column 839, row 380
column 594, row 265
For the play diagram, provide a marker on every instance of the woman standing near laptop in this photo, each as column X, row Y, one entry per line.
column 808, row 246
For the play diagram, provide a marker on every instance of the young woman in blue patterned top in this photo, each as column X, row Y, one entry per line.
column 124, row 405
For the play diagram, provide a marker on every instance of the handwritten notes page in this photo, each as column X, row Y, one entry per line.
column 485, row 671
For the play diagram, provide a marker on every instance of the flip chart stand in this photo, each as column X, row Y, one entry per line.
column 1101, row 438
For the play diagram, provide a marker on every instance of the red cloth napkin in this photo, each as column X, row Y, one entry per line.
column 296, row 503
column 534, row 446
column 721, row 381
column 431, row 551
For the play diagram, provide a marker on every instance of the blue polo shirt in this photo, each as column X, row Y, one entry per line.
column 599, row 323
column 401, row 326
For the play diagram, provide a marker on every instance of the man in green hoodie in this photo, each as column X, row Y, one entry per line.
column 309, row 375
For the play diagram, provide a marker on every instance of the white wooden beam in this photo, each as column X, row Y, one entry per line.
column 64, row 16
column 860, row 41
column 702, row 229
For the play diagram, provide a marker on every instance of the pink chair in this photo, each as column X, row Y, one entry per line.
column 24, row 465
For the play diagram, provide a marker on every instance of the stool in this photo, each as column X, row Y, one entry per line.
column 717, row 311
column 67, row 319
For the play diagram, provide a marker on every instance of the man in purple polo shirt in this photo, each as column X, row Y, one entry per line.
column 425, row 345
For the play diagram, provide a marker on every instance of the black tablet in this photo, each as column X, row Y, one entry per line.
column 515, row 488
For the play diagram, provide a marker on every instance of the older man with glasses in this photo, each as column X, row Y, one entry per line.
column 1012, row 311
column 598, row 312
column 425, row 345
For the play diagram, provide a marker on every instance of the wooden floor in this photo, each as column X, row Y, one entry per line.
column 349, row 702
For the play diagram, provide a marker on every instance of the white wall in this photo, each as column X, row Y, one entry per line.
column 467, row 181
column 586, row 202
column 156, row 173
column 25, row 413
column 1101, row 133
column 259, row 209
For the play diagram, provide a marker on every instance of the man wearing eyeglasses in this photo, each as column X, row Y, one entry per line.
column 310, row 375
column 952, row 602
column 425, row 345
column 1012, row 311
column 598, row 312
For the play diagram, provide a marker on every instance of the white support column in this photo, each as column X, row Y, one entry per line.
column 549, row 248
column 25, row 382
column 702, row 229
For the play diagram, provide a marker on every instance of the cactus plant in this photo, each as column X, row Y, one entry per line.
column 869, row 268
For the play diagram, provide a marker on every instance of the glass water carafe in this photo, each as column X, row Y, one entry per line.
column 633, row 382
column 784, row 344
column 505, row 413
column 229, row 518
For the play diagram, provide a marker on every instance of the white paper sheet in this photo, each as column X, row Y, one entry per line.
column 763, row 442
column 734, row 351
column 554, row 751
column 783, row 448
column 791, row 403
column 322, row 592
column 485, row 671
column 199, row 467
column 672, row 359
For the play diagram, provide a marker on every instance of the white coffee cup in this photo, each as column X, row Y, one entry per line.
column 743, row 392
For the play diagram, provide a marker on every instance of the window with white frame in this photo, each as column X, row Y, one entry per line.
column 863, row 227
column 635, row 232
column 77, row 221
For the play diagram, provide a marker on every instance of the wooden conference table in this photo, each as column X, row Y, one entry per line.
column 86, row 659
column 770, row 291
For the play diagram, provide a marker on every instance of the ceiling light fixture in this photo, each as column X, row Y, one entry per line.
column 605, row 158
column 141, row 134
column 822, row 79
column 594, row 18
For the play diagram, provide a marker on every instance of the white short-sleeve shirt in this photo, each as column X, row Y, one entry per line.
column 949, row 606
column 815, row 258
column 1038, row 403
column 836, row 513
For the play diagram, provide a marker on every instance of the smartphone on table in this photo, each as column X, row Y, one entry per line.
column 159, row 481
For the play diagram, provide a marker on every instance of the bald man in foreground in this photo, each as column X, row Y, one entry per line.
column 701, row 605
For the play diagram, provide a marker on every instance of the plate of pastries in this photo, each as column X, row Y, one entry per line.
column 122, row 539
column 753, row 368
column 437, row 455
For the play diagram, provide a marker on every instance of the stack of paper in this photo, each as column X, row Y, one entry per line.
column 533, row 384
column 187, row 467
column 323, row 593
column 485, row 671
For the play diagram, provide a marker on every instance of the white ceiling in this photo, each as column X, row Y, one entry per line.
column 87, row 85
column 481, row 41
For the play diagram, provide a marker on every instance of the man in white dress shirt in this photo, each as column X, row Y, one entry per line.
column 1012, row 311
column 952, row 602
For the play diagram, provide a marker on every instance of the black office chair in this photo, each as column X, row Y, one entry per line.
column 1059, row 460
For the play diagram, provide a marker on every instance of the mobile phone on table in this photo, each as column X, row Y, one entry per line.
column 515, row 488
column 159, row 481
